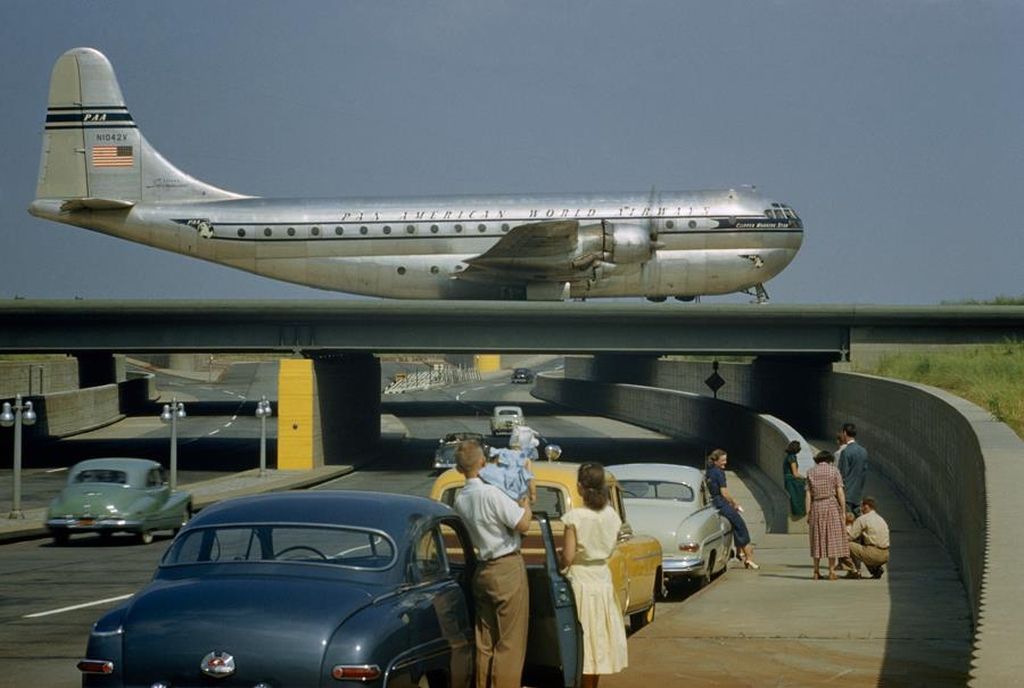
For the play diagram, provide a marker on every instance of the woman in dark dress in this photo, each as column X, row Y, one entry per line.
column 728, row 507
column 793, row 481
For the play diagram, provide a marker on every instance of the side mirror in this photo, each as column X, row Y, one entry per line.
column 552, row 452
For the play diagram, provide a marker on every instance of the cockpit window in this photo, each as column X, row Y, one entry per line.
column 780, row 211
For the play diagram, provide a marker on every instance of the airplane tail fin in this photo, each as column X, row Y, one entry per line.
column 93, row 154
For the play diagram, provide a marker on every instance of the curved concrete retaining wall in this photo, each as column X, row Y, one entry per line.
column 69, row 413
column 750, row 438
column 62, row 414
column 959, row 469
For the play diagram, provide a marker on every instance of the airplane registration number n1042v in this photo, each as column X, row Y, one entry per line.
column 111, row 137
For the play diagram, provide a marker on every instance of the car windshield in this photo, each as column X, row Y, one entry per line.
column 508, row 412
column 101, row 475
column 550, row 500
column 346, row 547
column 656, row 489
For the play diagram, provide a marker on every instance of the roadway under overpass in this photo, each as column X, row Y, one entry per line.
column 343, row 337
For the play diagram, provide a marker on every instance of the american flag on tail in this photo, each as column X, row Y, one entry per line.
column 113, row 156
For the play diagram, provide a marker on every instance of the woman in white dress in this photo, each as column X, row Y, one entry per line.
column 590, row 536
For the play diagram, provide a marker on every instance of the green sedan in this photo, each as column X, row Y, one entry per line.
column 114, row 495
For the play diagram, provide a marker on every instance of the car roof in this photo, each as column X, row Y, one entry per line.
column 133, row 467
column 658, row 471
column 395, row 514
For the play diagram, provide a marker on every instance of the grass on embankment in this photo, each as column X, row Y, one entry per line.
column 990, row 376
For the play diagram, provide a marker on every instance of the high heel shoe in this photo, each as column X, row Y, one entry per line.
column 816, row 575
column 750, row 564
column 832, row 575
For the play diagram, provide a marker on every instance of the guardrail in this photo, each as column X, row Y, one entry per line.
column 439, row 376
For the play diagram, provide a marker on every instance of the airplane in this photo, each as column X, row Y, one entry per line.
column 98, row 172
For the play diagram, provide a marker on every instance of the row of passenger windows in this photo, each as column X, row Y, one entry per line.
column 340, row 230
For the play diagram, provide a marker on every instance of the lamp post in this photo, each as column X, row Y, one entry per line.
column 171, row 413
column 263, row 411
column 17, row 415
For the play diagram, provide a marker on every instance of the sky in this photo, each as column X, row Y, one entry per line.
column 895, row 129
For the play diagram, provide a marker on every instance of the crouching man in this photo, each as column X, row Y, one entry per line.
column 869, row 540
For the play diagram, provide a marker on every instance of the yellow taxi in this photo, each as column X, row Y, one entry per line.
column 636, row 562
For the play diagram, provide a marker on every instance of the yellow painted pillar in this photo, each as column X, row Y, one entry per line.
column 488, row 363
column 295, row 421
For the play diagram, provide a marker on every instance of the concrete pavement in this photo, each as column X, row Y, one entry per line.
column 778, row 627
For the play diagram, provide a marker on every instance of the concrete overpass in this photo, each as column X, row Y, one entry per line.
column 339, row 327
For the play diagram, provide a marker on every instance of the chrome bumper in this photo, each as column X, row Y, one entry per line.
column 85, row 524
column 681, row 567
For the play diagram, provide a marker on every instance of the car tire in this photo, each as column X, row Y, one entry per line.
column 60, row 537
column 145, row 537
column 705, row 578
column 642, row 618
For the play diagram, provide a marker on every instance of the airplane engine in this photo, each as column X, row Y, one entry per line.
column 627, row 244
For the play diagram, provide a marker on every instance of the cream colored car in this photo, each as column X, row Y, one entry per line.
column 504, row 419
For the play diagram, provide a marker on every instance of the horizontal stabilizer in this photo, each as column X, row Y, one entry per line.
column 95, row 204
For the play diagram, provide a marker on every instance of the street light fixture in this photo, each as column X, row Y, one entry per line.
column 171, row 413
column 263, row 411
column 17, row 415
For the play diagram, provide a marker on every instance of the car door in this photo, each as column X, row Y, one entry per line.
column 441, row 631
column 554, row 649
column 158, row 490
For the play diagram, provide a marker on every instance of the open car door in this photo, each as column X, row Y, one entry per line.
column 554, row 650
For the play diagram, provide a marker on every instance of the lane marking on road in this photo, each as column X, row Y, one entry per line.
column 214, row 432
column 57, row 470
column 228, row 424
column 78, row 606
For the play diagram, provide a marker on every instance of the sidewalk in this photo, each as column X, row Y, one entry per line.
column 777, row 627
column 203, row 493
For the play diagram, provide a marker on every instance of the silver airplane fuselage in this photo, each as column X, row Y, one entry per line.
column 98, row 172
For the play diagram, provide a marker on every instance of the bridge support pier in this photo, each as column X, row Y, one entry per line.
column 328, row 410
column 97, row 368
column 348, row 400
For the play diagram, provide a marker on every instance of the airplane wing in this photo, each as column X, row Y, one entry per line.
column 559, row 251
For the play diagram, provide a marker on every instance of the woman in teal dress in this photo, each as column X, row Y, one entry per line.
column 794, row 481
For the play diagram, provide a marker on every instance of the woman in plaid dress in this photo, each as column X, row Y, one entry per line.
column 824, row 499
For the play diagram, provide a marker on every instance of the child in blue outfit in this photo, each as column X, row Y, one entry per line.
column 510, row 469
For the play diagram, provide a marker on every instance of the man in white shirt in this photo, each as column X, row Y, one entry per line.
column 500, row 587
column 869, row 540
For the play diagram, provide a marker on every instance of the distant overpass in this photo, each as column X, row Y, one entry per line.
column 311, row 327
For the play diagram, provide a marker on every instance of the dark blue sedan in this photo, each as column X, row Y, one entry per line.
column 321, row 589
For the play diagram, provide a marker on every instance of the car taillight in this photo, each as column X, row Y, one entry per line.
column 689, row 547
column 95, row 666
column 349, row 672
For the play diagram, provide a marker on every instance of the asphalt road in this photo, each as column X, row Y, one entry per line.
column 50, row 596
